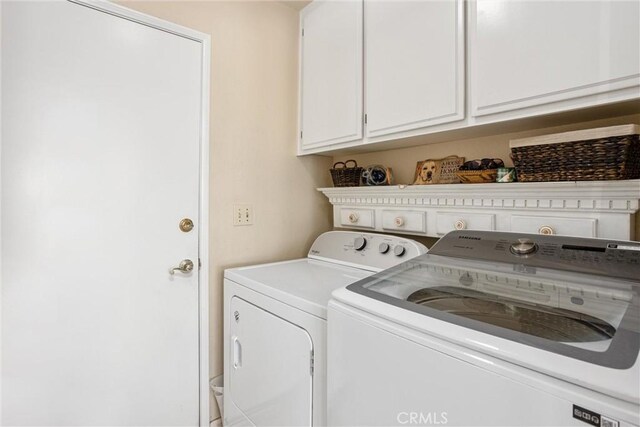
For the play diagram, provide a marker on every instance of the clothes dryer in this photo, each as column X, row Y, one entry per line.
column 275, row 326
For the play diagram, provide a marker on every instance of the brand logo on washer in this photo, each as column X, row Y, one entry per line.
column 469, row 237
column 593, row 418
column 236, row 315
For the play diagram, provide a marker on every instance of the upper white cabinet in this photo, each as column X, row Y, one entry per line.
column 545, row 56
column 376, row 71
column 414, row 64
column 331, row 73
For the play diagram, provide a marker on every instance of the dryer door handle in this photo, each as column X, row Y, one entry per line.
column 237, row 353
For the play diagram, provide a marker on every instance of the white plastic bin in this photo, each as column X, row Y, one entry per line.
column 217, row 386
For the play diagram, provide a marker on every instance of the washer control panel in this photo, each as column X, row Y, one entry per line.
column 370, row 251
column 523, row 246
column 592, row 256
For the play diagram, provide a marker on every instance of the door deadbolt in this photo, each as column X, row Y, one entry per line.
column 186, row 225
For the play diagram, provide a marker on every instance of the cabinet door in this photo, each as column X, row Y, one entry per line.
column 331, row 73
column 414, row 64
column 567, row 53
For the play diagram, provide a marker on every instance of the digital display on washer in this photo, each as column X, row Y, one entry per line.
column 583, row 316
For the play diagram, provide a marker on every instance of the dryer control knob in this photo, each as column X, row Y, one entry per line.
column 399, row 250
column 524, row 247
column 359, row 243
column 383, row 248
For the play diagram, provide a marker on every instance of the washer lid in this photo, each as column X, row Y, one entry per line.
column 589, row 317
column 305, row 283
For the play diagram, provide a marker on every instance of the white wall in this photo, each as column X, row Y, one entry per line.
column 253, row 139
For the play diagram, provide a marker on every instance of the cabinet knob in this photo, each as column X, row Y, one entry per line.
column 459, row 225
column 546, row 230
column 399, row 221
column 353, row 218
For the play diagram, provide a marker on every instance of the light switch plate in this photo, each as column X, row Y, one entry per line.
column 242, row 215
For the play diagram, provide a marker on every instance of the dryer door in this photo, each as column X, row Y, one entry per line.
column 271, row 367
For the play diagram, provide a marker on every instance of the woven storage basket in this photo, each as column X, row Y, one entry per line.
column 345, row 176
column 610, row 153
column 478, row 177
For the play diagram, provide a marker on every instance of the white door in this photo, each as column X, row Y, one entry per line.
column 414, row 64
column 531, row 53
column 271, row 367
column 100, row 162
column 331, row 73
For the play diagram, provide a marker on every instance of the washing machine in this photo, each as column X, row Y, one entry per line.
column 491, row 329
column 275, row 326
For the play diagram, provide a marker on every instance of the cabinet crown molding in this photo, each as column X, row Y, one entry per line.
column 594, row 196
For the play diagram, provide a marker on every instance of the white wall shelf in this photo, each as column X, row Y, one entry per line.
column 589, row 209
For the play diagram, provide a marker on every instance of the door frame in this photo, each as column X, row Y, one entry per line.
column 203, row 199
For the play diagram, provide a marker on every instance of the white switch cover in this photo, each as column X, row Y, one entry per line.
column 242, row 214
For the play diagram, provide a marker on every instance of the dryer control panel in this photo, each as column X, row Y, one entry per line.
column 369, row 251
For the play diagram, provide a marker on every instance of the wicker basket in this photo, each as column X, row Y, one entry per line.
column 345, row 176
column 610, row 153
column 478, row 177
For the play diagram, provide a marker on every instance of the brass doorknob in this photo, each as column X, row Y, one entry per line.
column 185, row 266
column 186, row 225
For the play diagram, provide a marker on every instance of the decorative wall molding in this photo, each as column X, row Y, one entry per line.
column 585, row 196
column 603, row 209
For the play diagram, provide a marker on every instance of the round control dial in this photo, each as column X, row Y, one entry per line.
column 524, row 247
column 399, row 250
column 383, row 248
column 359, row 243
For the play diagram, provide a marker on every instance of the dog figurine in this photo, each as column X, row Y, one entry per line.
column 427, row 172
